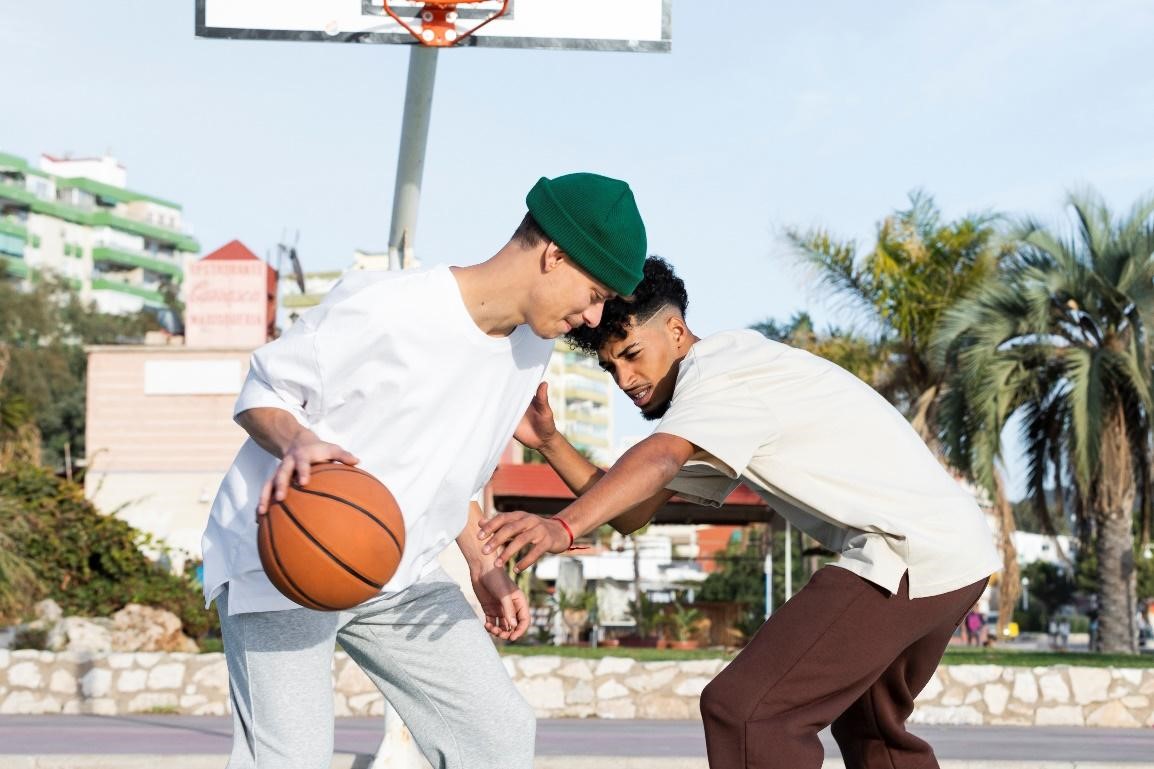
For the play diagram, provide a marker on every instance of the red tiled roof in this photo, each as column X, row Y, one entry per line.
column 541, row 481
column 232, row 251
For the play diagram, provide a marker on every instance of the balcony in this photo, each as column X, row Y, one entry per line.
column 151, row 262
column 14, row 267
column 12, row 226
column 16, row 192
column 148, row 295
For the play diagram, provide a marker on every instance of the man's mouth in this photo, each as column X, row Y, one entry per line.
column 640, row 396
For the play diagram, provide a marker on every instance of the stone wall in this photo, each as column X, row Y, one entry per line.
column 560, row 687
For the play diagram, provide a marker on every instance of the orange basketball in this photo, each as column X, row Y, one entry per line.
column 334, row 543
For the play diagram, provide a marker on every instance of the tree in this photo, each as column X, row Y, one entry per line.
column 1059, row 338
column 42, row 396
column 918, row 268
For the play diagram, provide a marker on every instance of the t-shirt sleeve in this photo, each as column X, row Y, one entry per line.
column 717, row 413
column 283, row 374
column 703, row 484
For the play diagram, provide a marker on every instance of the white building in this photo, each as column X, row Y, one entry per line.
column 75, row 217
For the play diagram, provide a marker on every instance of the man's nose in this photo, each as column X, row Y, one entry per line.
column 592, row 316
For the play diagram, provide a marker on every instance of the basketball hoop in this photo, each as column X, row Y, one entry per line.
column 439, row 22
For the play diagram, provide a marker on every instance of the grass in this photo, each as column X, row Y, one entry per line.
column 1006, row 657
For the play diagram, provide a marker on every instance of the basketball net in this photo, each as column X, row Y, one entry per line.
column 438, row 27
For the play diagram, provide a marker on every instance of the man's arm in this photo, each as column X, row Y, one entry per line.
column 280, row 434
column 506, row 610
column 539, row 431
column 639, row 476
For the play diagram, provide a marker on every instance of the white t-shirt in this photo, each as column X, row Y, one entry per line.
column 831, row 456
column 392, row 368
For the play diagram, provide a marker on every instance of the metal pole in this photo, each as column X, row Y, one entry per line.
column 769, row 575
column 398, row 750
column 788, row 561
column 411, row 156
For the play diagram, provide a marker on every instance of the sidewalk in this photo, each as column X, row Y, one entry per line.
column 187, row 742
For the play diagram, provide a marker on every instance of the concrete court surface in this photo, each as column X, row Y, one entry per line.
column 186, row 742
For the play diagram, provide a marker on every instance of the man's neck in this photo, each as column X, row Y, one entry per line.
column 491, row 293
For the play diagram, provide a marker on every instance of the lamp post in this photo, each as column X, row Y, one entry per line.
column 1025, row 593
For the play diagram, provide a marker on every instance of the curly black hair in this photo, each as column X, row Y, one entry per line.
column 659, row 288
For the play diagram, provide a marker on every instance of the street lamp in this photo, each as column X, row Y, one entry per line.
column 1025, row 593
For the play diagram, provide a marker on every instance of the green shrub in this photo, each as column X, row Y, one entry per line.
column 89, row 563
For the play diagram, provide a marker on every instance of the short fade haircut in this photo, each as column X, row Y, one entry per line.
column 659, row 288
column 529, row 234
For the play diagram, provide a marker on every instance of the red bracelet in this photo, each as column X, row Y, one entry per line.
column 568, row 531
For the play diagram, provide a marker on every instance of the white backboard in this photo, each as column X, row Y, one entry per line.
column 595, row 25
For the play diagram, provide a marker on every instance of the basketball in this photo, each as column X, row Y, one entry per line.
column 334, row 543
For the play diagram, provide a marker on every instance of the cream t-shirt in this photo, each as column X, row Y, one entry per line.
column 391, row 367
column 831, row 456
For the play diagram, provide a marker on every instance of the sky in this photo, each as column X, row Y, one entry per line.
column 764, row 116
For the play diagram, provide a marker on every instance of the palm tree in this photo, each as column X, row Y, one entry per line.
column 1060, row 340
column 919, row 267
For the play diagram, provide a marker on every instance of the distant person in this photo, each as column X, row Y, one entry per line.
column 1063, row 633
column 974, row 624
column 418, row 377
column 855, row 646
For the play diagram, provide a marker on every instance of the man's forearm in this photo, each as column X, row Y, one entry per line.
column 574, row 468
column 273, row 429
column 641, row 474
column 469, row 544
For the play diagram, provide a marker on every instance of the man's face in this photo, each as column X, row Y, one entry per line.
column 568, row 298
column 644, row 362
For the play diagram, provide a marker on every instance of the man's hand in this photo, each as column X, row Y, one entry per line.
column 537, row 427
column 505, row 607
column 509, row 533
column 298, row 458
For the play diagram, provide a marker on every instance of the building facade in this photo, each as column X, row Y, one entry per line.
column 121, row 249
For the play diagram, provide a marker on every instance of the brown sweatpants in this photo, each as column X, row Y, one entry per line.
column 843, row 651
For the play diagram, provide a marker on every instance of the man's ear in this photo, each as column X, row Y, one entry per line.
column 678, row 331
column 552, row 257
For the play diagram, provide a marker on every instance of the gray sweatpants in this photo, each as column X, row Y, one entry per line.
column 423, row 648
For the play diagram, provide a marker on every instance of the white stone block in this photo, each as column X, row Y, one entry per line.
column 701, row 667
column 1059, row 715
column 651, row 682
column 973, row 696
column 1136, row 701
column 955, row 695
column 102, row 707
column 611, row 666
column 120, row 660
column 147, row 659
column 153, row 702
column 5, row 658
column 543, row 693
column 936, row 714
column 691, row 687
column 352, row 680
column 1054, row 688
column 538, row 666
column 169, row 675
column 132, row 681
column 580, row 693
column 96, row 683
column 996, row 696
column 621, row 708
column 1026, row 687
column 190, row 701
column 212, row 678
column 62, row 682
column 1113, row 714
column 25, row 675
column 211, row 709
column 29, row 703
column 580, row 670
column 1090, row 684
column 974, row 675
column 611, row 690
column 1131, row 676
column 932, row 689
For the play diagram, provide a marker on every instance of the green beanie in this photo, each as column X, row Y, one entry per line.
column 594, row 219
